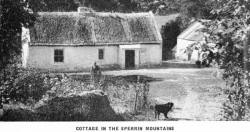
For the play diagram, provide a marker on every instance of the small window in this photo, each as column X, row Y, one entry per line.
column 58, row 55
column 101, row 54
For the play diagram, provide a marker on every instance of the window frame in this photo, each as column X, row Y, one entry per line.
column 101, row 54
column 59, row 55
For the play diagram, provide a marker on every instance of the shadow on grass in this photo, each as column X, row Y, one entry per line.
column 141, row 78
column 128, row 78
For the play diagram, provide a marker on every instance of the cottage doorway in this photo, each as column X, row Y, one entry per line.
column 129, row 59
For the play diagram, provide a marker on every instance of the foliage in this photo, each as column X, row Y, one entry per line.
column 91, row 106
column 126, row 93
column 72, row 5
column 19, row 115
column 132, row 96
column 111, row 5
column 228, row 31
column 169, row 33
column 192, row 8
column 189, row 8
column 14, row 15
column 99, row 5
column 31, row 89
column 160, row 7
column 22, row 85
column 196, row 8
column 52, row 5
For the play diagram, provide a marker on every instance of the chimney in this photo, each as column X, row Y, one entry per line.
column 84, row 10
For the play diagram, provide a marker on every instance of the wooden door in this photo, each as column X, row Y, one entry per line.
column 129, row 59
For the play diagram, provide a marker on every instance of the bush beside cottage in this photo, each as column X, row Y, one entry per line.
column 36, row 96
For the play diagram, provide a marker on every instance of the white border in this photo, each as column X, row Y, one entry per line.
column 179, row 126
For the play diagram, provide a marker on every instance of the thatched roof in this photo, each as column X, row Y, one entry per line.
column 94, row 28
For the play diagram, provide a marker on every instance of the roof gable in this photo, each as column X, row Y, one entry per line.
column 193, row 32
column 94, row 28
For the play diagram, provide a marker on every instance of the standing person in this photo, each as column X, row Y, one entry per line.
column 189, row 52
column 96, row 72
column 93, row 72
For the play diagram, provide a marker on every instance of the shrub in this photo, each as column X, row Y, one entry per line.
column 91, row 106
column 34, row 89
column 126, row 93
column 23, row 85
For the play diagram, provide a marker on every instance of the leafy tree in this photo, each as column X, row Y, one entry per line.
column 196, row 8
column 128, row 6
column 169, row 33
column 160, row 7
column 14, row 15
column 189, row 8
column 52, row 5
column 193, row 8
column 228, row 30
column 111, row 5
column 100, row 5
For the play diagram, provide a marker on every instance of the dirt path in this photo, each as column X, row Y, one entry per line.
column 187, row 108
column 202, row 99
column 197, row 95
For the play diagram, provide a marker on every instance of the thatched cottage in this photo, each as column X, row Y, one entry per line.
column 73, row 41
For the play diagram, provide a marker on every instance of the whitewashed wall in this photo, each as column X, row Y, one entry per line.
column 180, row 50
column 150, row 55
column 145, row 54
column 82, row 58
column 75, row 58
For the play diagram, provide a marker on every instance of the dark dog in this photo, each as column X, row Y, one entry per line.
column 163, row 108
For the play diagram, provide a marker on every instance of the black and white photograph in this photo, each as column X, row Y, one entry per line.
column 124, row 60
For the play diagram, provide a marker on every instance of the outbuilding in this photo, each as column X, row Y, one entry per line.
column 191, row 36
